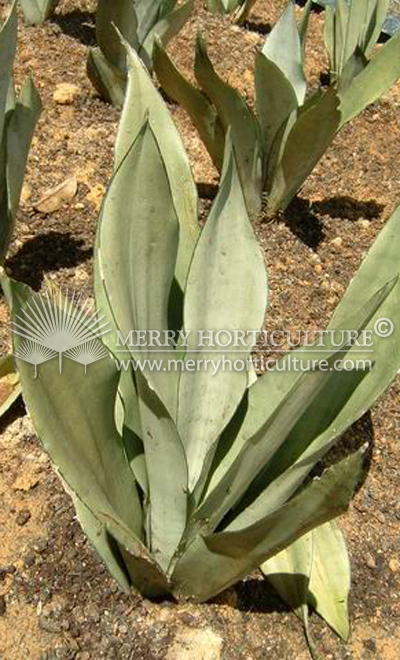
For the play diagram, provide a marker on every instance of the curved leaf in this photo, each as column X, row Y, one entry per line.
column 382, row 72
column 283, row 47
column 202, row 113
column 235, row 114
column 137, row 247
column 142, row 101
column 330, row 578
column 305, row 144
column 118, row 14
column 226, row 290
column 275, row 98
column 19, row 136
column 166, row 29
column 8, row 45
column 289, row 573
column 136, row 251
column 108, row 81
column 215, row 562
column 38, row 11
column 74, row 418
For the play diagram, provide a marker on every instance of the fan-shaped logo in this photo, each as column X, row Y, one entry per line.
column 55, row 325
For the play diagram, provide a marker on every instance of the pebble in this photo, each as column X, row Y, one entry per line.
column 337, row 242
column 394, row 565
column 65, row 93
column 370, row 644
column 92, row 613
column 40, row 546
column 196, row 644
column 23, row 516
column 364, row 224
column 6, row 570
column 26, row 481
column 49, row 625
column 29, row 559
column 370, row 561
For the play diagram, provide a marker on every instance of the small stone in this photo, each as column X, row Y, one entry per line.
column 65, row 93
column 337, row 242
column 191, row 644
column 83, row 655
column 40, row 546
column 3, row 605
column 78, row 614
column 26, row 481
column 23, row 516
column 49, row 625
column 394, row 565
column 364, row 224
column 318, row 268
column 92, row 613
column 370, row 644
column 381, row 517
column 370, row 561
column 96, row 195
column 26, row 193
column 29, row 559
column 7, row 570
column 248, row 77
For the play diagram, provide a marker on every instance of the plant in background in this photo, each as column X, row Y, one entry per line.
column 279, row 144
column 352, row 30
column 38, row 11
column 139, row 22
column 239, row 8
column 18, row 119
column 185, row 481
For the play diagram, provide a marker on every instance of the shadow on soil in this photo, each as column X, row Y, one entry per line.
column 347, row 208
column 207, row 190
column 48, row 252
column 260, row 28
column 16, row 411
column 257, row 595
column 359, row 434
column 79, row 25
column 305, row 219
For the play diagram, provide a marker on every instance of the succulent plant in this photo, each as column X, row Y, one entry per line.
column 352, row 30
column 38, row 11
column 18, row 117
column 278, row 144
column 239, row 9
column 139, row 22
column 185, row 481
